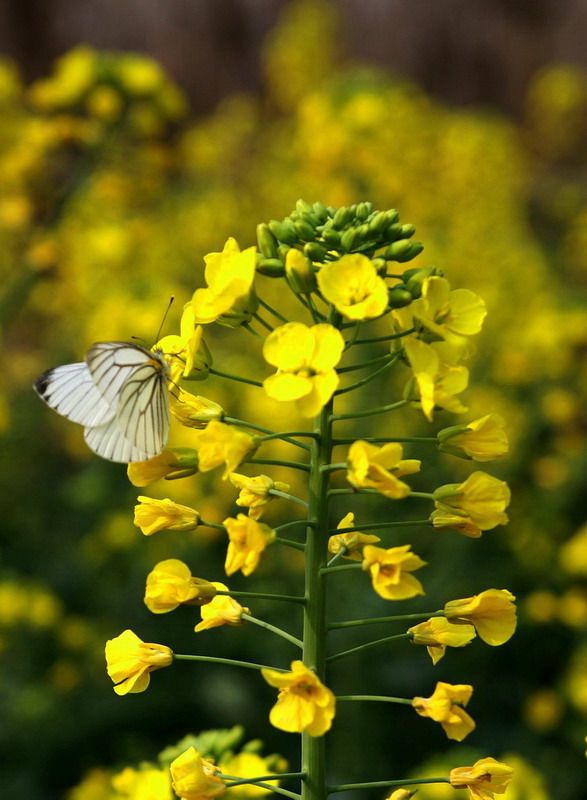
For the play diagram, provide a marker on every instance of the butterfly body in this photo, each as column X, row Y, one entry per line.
column 119, row 394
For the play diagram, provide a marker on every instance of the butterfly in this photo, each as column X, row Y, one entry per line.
column 119, row 394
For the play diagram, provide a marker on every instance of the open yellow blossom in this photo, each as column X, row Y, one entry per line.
column 444, row 312
column 486, row 778
column 437, row 382
column 170, row 583
column 247, row 765
column 437, row 633
column 129, row 661
column 304, row 704
column 481, row 440
column 390, row 571
column 153, row 515
column 481, row 497
column 144, row 783
column 352, row 541
column 222, row 444
column 380, row 468
column 229, row 297
column 254, row 493
column 446, row 705
column 222, row 610
column 173, row 462
column 248, row 538
column 194, row 778
column 353, row 287
column 305, row 359
column 187, row 354
column 493, row 614
column 192, row 410
column 453, row 521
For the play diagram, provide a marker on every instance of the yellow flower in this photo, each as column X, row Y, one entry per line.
column 248, row 539
column 153, row 515
column 437, row 382
column 146, row 783
column 247, row 765
column 299, row 271
column 446, row 705
column 452, row 521
column 129, row 661
column 486, row 778
column 390, row 571
column 305, row 358
column 493, row 613
column 304, row 704
column 222, row 444
column 187, row 354
column 482, row 440
column 353, row 287
column 444, row 312
column 482, row 498
column 401, row 794
column 170, row 583
column 352, row 541
column 229, row 297
column 438, row 633
column 222, row 610
column 380, row 468
column 193, row 411
column 193, row 778
column 173, row 462
column 254, row 493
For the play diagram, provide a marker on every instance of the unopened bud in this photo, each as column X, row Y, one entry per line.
column 320, row 211
column 363, row 211
column 380, row 265
column 271, row 267
column 305, row 231
column 399, row 297
column 331, row 237
column 283, row 231
column 414, row 278
column 314, row 251
column 407, row 231
column 267, row 241
column 342, row 217
column 350, row 239
column 299, row 271
column 302, row 206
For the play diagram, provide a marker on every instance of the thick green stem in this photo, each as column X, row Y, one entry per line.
column 313, row 755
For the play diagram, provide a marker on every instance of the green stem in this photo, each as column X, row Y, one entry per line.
column 363, row 364
column 354, row 565
column 426, row 495
column 238, row 378
column 354, row 490
column 312, row 308
column 253, row 332
column 370, row 411
column 374, row 697
column 262, row 322
column 262, row 624
column 203, row 523
column 370, row 377
column 389, row 338
column 354, row 335
column 288, row 598
column 374, row 526
column 334, row 467
column 347, row 787
column 366, row 646
column 278, row 463
column 386, row 439
column 276, row 789
column 274, row 434
column 289, row 543
column 228, row 661
column 353, row 623
column 291, row 524
column 341, row 554
column 287, row 496
column 272, row 310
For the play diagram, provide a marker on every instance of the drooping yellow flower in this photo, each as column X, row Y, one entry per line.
column 170, row 583
column 187, row 354
column 223, row 610
column 222, row 444
column 153, row 515
column 247, row 765
column 481, row 440
column 192, row 410
column 481, row 497
column 380, row 468
column 486, row 778
column 173, row 462
column 194, row 778
column 444, row 312
column 129, row 661
column 248, row 538
column 305, row 359
column 437, row 382
column 446, row 705
column 146, row 783
column 453, row 521
column 493, row 614
column 304, row 704
column 390, row 571
column 352, row 541
column 254, row 493
column 229, row 297
column 437, row 633
column 353, row 287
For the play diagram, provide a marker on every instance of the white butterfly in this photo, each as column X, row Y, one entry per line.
column 119, row 394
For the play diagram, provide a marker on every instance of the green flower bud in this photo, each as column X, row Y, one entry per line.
column 350, row 239
column 407, row 231
column 283, row 231
column 267, row 241
column 271, row 267
column 314, row 251
column 331, row 211
column 342, row 217
column 397, row 250
column 393, row 232
column 363, row 210
column 392, row 216
column 415, row 250
column 378, row 222
column 302, row 206
column 414, row 278
column 305, row 231
column 331, row 237
column 399, row 297
column 380, row 265
column 299, row 272
column 320, row 211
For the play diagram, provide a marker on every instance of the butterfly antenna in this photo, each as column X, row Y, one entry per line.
column 171, row 299
column 139, row 339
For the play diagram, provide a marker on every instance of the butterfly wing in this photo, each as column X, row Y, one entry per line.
column 70, row 390
column 112, row 363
